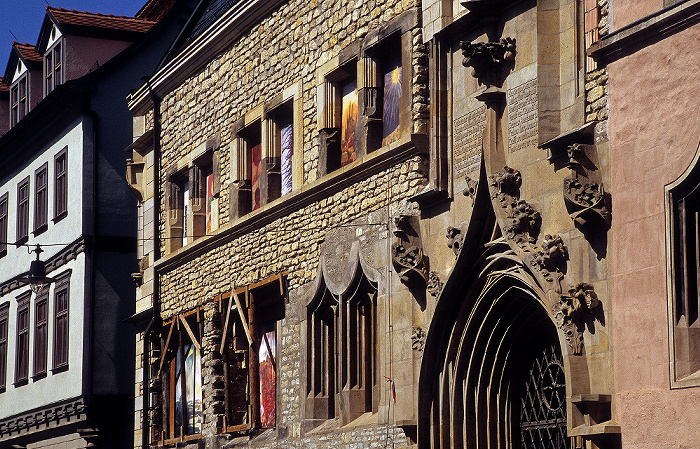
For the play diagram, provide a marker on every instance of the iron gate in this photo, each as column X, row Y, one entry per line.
column 543, row 404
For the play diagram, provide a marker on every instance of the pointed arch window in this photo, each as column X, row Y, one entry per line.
column 341, row 366
column 683, row 249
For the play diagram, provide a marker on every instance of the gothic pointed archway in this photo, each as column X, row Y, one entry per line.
column 492, row 373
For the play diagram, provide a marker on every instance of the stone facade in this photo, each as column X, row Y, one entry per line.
column 480, row 243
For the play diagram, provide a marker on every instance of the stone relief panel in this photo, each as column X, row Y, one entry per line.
column 467, row 132
column 522, row 116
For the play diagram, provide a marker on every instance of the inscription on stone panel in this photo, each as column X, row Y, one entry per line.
column 522, row 116
column 468, row 131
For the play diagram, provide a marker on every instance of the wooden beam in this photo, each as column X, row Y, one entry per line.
column 225, row 332
column 244, row 320
column 167, row 344
column 191, row 334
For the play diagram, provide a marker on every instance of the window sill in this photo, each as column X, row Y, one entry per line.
column 40, row 230
column 59, row 369
column 21, row 382
column 315, row 191
column 3, row 253
column 60, row 217
column 21, row 241
column 174, row 441
column 39, row 376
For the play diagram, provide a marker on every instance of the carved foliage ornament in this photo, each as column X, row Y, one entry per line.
column 434, row 284
column 551, row 259
column 490, row 60
column 574, row 310
column 522, row 220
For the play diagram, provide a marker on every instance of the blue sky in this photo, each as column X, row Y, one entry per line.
column 23, row 18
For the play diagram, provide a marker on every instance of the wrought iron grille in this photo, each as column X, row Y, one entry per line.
column 543, row 404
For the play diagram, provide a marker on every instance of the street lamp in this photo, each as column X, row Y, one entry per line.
column 36, row 278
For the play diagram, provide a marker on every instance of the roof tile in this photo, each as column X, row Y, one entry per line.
column 96, row 20
column 28, row 51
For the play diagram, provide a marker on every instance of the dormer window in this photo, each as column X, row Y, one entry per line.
column 19, row 103
column 53, row 69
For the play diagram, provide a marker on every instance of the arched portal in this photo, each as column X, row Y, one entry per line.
column 492, row 374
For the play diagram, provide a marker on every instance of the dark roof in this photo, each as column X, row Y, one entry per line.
column 99, row 21
column 27, row 51
column 155, row 9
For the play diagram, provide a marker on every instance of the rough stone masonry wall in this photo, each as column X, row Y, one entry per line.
column 597, row 80
column 285, row 48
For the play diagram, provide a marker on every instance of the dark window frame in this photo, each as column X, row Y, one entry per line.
column 4, row 223
column 41, row 335
column 60, row 203
column 41, row 199
column 23, row 340
column 4, row 331
column 19, row 99
column 23, row 205
column 53, row 66
column 61, row 323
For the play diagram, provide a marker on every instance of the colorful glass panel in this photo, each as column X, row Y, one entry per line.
column 392, row 99
column 349, row 123
column 287, row 144
column 267, row 364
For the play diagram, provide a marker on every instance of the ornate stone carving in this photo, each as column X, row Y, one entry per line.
column 573, row 311
column 586, row 203
column 551, row 259
column 472, row 185
column 407, row 252
column 585, row 199
column 490, row 60
column 506, row 182
column 455, row 238
column 434, row 284
column 418, row 339
column 524, row 223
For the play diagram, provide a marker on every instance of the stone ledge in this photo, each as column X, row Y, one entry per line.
column 654, row 27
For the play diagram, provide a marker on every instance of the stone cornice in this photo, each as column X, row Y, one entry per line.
column 214, row 40
column 61, row 414
column 318, row 190
column 650, row 29
column 69, row 253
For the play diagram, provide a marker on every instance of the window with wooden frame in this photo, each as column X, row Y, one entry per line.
column 341, row 368
column 251, row 318
column 41, row 199
column 338, row 115
column 683, row 228
column 4, row 318
column 41, row 334
column 3, row 225
column 23, row 211
column 60, row 322
column 181, row 376
column 53, row 67
column 60, row 204
column 22, row 352
column 19, row 104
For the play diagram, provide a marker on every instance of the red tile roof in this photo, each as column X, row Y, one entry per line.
column 155, row 9
column 28, row 51
column 95, row 20
column 4, row 87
